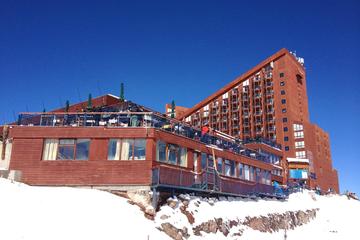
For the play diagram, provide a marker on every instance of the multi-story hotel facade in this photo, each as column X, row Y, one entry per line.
column 270, row 102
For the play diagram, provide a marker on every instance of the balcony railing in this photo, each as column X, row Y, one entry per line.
column 130, row 119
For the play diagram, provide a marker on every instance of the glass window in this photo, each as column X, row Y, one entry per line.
column 286, row 129
column 298, row 127
column 113, row 151
column 283, row 101
column 286, row 139
column 219, row 165
column 283, row 110
column 282, row 83
column 232, row 168
column 299, row 134
column 161, row 151
column 284, row 119
column 82, row 149
column 258, row 175
column 241, row 170
column 300, row 154
column 282, row 75
column 247, row 172
column 300, row 144
column 252, row 173
column 227, row 168
column 287, row 148
column 49, row 150
column 71, row 149
column 127, row 149
column 203, row 160
column 282, row 92
column 172, row 153
column 66, row 152
column 210, row 161
column 183, row 157
column 139, row 149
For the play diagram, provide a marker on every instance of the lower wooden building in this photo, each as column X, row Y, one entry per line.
column 123, row 146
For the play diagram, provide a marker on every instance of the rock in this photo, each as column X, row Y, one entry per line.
column 163, row 217
column 173, row 232
column 276, row 222
column 171, row 202
column 188, row 214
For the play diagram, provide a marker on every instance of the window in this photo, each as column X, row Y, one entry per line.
column 66, row 149
column 282, row 92
column 203, row 160
column 219, row 165
column 252, row 173
column 284, row 120
column 282, row 83
column 287, row 148
column 229, row 168
column 247, row 173
column 299, row 134
column 130, row 149
column 298, row 127
column 286, row 129
column 300, row 154
column 300, row 144
column 286, row 139
column 283, row 110
column 258, row 175
column 241, row 170
column 166, row 152
column 283, row 101
column 50, row 149
column 282, row 75
column 161, row 151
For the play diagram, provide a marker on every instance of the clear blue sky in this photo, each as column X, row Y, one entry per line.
column 51, row 51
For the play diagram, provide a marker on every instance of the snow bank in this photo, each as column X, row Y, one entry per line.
column 42, row 213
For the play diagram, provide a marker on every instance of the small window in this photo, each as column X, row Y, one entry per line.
column 300, row 154
column 166, row 152
column 139, row 149
column 287, row 148
column 286, row 139
column 286, row 129
column 282, row 92
column 161, row 151
column 299, row 134
column 246, row 172
column 241, row 170
column 73, row 149
column 203, row 160
column 300, row 144
column 284, row 120
column 282, row 75
column 283, row 110
column 219, row 165
column 282, row 83
column 283, row 101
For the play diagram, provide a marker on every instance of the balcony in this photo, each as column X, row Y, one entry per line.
column 257, row 96
column 270, row 111
column 269, row 92
column 268, row 75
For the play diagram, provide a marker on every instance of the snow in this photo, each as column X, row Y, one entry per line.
column 43, row 213
column 37, row 213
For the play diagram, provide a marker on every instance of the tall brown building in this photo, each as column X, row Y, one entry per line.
column 270, row 102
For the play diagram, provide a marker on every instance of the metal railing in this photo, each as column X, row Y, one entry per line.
column 136, row 119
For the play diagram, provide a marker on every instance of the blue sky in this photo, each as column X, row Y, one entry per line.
column 53, row 51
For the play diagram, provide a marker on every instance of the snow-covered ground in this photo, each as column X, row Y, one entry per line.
column 38, row 213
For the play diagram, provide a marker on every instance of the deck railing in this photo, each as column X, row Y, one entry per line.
column 206, row 180
column 138, row 119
